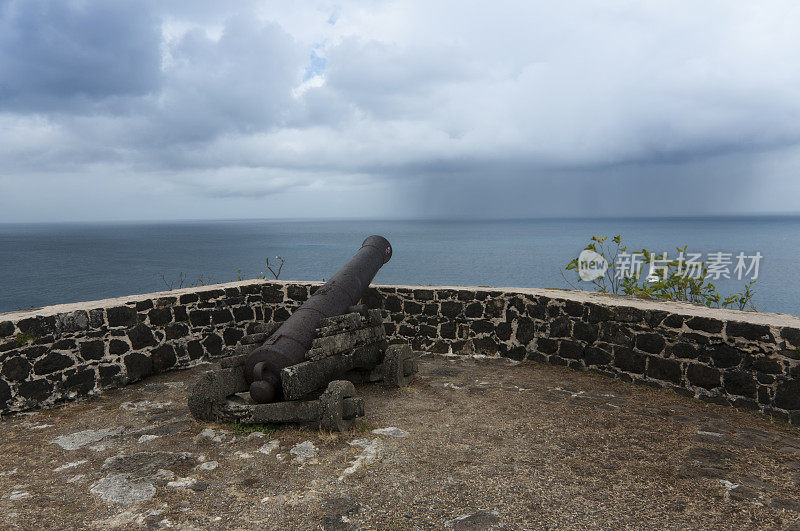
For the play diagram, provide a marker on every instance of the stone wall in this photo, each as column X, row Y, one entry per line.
column 741, row 359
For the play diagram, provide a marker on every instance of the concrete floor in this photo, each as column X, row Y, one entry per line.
column 479, row 444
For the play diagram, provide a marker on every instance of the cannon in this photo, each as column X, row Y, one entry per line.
column 277, row 372
column 289, row 344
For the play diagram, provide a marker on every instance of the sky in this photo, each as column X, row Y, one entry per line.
column 196, row 109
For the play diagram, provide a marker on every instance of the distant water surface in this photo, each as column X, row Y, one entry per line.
column 43, row 264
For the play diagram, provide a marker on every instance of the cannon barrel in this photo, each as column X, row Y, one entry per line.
column 289, row 344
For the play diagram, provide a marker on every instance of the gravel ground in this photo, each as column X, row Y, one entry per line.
column 471, row 444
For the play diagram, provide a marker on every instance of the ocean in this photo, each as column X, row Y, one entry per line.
column 44, row 264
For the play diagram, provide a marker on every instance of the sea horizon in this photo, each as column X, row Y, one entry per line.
column 42, row 264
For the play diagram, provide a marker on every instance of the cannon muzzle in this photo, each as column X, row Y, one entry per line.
column 289, row 344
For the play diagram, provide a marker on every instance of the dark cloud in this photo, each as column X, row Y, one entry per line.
column 57, row 56
column 447, row 108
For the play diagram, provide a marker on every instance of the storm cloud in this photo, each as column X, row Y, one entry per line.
column 146, row 109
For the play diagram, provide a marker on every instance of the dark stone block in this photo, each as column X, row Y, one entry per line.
column 423, row 294
column 221, row 316
column 503, row 331
column 5, row 394
column 232, row 292
column 628, row 314
column 180, row 314
column 628, row 360
column 407, row 331
column 516, row 353
column 703, row 376
column 431, row 309
column 673, row 321
column 118, row 346
column 792, row 335
column 6, row 328
column 597, row 356
column 93, row 350
column 250, row 289
column 451, row 308
column 486, row 345
column 297, row 293
column 428, row 331
column 556, row 360
column 574, row 308
column 526, row 330
column 570, row 349
column 176, row 331
column 494, row 308
column 739, row 383
column 561, row 327
column 448, row 330
column 482, row 326
column 474, row 310
column 243, row 313
column 34, row 352
column 231, row 336
column 72, row 321
column 81, row 382
column 163, row 302
column 144, row 305
column 749, row 331
column 16, row 369
column 616, row 333
column 160, row 316
column 664, row 369
column 272, row 293
column 724, row 356
column 536, row 311
column 767, row 365
column 51, row 363
column 697, row 339
column 96, row 318
column 585, row 331
column 546, row 345
column 787, row 395
column 38, row 390
column 211, row 294
column 412, row 308
column 37, row 326
column 195, row 350
column 213, row 344
column 596, row 313
column 199, row 317
column 554, row 310
column 705, row 324
column 65, row 344
column 653, row 318
column 140, row 336
column 650, row 342
column 138, row 365
column 682, row 350
column 163, row 358
column 393, row 303
column 465, row 295
column 122, row 316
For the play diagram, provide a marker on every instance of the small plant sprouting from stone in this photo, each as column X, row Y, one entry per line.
column 170, row 284
column 244, row 430
column 277, row 273
column 672, row 286
column 24, row 339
